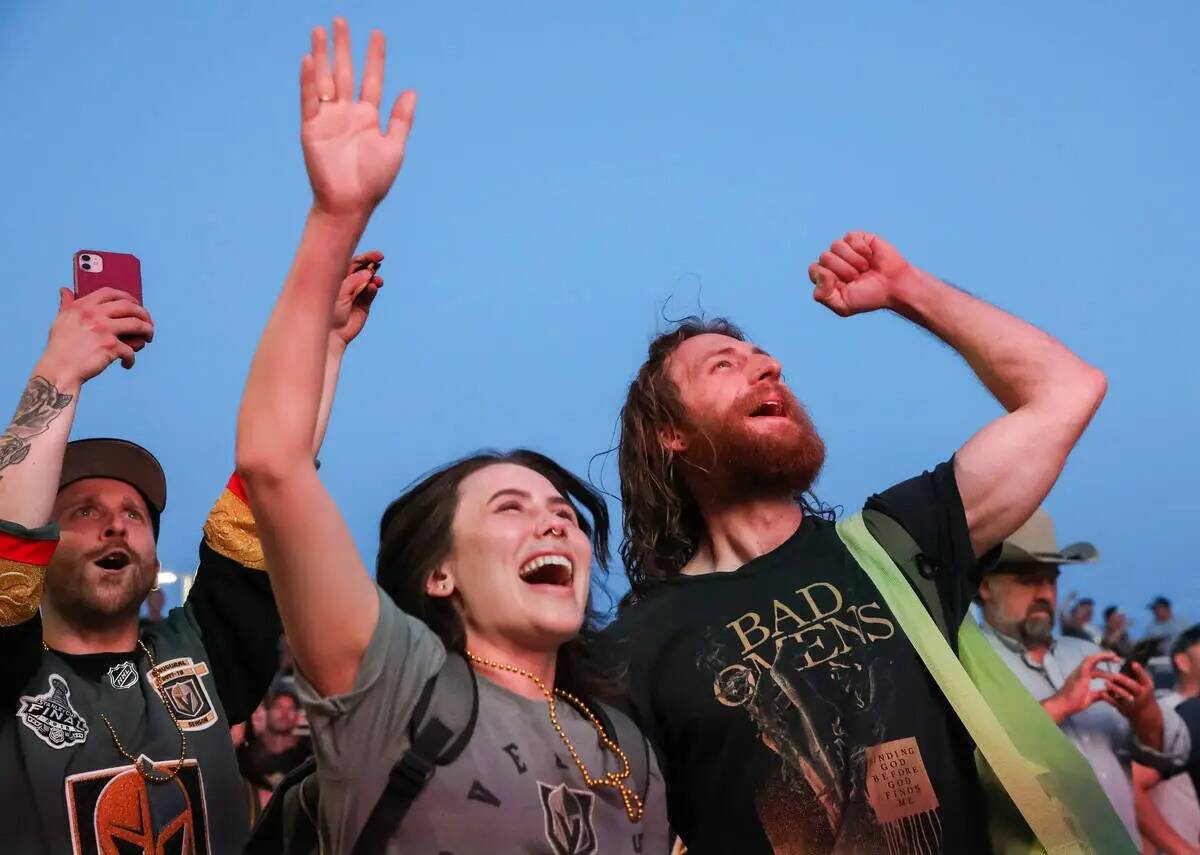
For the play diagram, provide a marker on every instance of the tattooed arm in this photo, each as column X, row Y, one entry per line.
column 85, row 338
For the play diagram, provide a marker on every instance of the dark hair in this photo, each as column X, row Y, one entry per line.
column 1108, row 612
column 1186, row 639
column 415, row 536
column 661, row 521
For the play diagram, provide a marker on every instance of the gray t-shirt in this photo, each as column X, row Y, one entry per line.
column 514, row 788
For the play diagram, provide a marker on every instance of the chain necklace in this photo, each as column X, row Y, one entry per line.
column 145, row 768
column 616, row 780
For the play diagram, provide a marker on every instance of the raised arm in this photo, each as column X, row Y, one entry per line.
column 1006, row 469
column 85, row 338
column 325, row 595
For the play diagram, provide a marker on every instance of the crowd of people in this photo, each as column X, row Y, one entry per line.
column 777, row 679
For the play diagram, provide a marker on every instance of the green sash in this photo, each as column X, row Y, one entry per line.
column 1042, row 795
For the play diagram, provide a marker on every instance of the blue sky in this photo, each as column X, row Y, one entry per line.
column 573, row 166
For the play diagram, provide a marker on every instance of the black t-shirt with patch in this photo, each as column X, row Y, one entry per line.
column 64, row 785
column 790, row 712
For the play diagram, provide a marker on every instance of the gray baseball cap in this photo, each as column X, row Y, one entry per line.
column 118, row 459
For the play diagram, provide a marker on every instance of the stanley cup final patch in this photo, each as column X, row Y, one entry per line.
column 52, row 717
column 180, row 684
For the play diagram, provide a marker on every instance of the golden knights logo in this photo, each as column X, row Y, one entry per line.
column 568, row 819
column 116, row 811
column 179, row 682
column 52, row 717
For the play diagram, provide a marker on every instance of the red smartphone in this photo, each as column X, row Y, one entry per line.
column 95, row 269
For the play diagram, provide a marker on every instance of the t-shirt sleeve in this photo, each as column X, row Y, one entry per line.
column 360, row 730
column 930, row 509
column 233, row 607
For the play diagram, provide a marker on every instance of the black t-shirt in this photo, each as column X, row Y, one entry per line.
column 790, row 712
column 64, row 785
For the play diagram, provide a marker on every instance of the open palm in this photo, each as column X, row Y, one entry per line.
column 351, row 161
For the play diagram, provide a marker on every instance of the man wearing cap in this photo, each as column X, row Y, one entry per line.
column 1110, row 717
column 1167, row 626
column 1077, row 617
column 115, row 737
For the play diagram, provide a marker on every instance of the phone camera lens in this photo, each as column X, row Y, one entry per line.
column 86, row 266
column 85, row 258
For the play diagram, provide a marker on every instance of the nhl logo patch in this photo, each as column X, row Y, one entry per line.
column 52, row 717
column 180, row 684
column 122, row 676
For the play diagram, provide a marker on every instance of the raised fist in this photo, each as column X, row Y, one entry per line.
column 859, row 273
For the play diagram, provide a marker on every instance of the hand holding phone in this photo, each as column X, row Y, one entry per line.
column 95, row 269
column 1141, row 654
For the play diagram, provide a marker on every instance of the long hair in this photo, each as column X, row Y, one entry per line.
column 415, row 537
column 661, row 521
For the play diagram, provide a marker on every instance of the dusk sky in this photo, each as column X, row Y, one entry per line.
column 573, row 166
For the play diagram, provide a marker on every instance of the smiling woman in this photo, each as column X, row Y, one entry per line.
column 486, row 564
column 445, row 544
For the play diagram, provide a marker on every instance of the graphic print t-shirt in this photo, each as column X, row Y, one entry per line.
column 791, row 713
column 513, row 789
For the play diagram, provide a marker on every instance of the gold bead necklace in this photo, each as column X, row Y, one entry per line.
column 145, row 769
column 616, row 780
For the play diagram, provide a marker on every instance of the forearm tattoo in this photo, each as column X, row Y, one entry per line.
column 41, row 403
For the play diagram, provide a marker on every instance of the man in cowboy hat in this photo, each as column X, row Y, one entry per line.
column 1111, row 717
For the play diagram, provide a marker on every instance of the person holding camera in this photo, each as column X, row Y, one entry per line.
column 1110, row 715
column 112, row 733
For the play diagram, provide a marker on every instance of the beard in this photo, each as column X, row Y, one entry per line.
column 1038, row 625
column 744, row 460
column 94, row 601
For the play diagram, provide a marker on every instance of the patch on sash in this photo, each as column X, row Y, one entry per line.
column 116, row 810
column 122, row 676
column 178, row 680
column 568, row 819
column 52, row 717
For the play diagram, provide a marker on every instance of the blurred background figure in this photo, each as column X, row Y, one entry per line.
column 1168, row 811
column 1116, row 632
column 272, row 745
column 1076, row 619
column 1167, row 625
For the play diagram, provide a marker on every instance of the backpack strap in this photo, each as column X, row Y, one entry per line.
column 629, row 737
column 273, row 828
column 439, row 730
column 908, row 556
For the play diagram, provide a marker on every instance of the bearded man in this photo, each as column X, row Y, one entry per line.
column 791, row 712
column 1110, row 716
column 114, row 737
